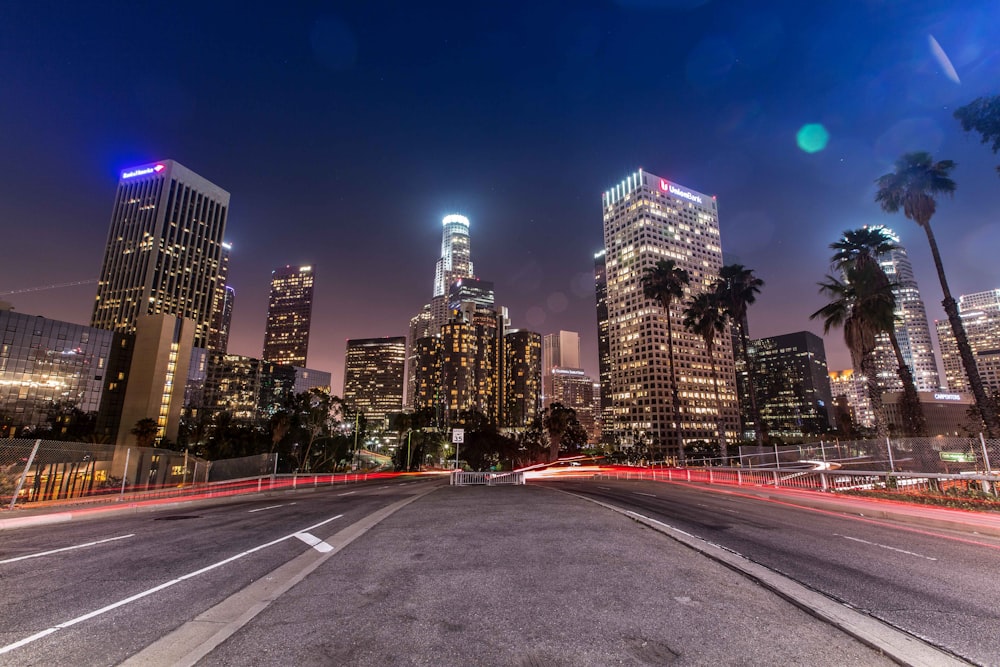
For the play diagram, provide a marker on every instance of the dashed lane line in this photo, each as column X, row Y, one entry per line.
column 75, row 546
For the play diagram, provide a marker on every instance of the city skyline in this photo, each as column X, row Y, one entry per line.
column 307, row 134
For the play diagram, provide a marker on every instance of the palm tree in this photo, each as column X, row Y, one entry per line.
column 556, row 420
column 856, row 254
column 738, row 287
column 852, row 306
column 664, row 282
column 145, row 431
column 706, row 316
column 912, row 188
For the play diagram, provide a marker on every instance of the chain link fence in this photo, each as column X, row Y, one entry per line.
column 930, row 455
column 34, row 471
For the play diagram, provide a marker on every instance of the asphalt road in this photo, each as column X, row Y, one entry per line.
column 936, row 584
column 404, row 573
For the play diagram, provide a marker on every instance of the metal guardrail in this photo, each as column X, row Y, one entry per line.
column 462, row 478
column 818, row 480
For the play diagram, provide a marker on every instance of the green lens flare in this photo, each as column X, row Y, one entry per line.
column 812, row 138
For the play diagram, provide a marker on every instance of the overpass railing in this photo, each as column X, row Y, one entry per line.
column 822, row 480
column 462, row 478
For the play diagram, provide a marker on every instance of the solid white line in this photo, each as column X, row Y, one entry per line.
column 55, row 551
column 885, row 546
column 269, row 507
column 155, row 589
column 606, row 488
column 345, row 494
column 644, row 494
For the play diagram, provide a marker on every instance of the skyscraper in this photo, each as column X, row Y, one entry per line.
column 980, row 313
column 647, row 219
column 373, row 378
column 792, row 384
column 454, row 265
column 559, row 350
column 603, row 347
column 289, row 311
column 522, row 369
column 912, row 331
column 222, row 317
column 164, row 253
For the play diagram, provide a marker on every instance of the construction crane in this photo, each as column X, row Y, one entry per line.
column 47, row 287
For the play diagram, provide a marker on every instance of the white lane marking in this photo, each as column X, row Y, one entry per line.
column 269, row 507
column 313, row 541
column 644, row 494
column 885, row 546
column 606, row 488
column 345, row 494
column 155, row 589
column 75, row 546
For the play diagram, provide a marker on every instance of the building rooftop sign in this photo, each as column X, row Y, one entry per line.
column 143, row 171
column 667, row 186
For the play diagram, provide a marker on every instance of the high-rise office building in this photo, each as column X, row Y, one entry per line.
column 559, row 350
column 603, row 347
column 164, row 253
column 853, row 389
column 222, row 317
column 454, row 265
column 648, row 219
column 980, row 313
column 522, row 369
column 912, row 331
column 573, row 389
column 373, row 378
column 792, row 385
column 289, row 313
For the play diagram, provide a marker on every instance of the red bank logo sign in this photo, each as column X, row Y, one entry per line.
column 667, row 186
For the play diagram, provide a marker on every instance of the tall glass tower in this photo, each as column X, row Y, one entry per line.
column 456, row 258
column 164, row 253
column 289, row 312
column 912, row 330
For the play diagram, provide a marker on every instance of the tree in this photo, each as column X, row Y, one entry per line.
column 664, row 283
column 982, row 115
column 145, row 431
column 738, row 287
column 917, row 179
column 557, row 420
column 856, row 255
column 852, row 308
column 706, row 316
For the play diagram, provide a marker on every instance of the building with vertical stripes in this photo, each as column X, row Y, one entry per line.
column 289, row 313
column 647, row 219
column 373, row 378
column 164, row 252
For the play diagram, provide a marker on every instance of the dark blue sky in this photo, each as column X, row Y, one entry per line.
column 345, row 131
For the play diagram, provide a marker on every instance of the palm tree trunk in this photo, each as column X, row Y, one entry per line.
column 987, row 412
column 913, row 412
column 673, row 386
column 874, row 395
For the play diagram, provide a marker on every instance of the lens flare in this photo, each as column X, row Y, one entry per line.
column 812, row 138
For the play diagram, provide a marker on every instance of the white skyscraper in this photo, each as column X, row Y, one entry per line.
column 648, row 219
column 559, row 350
column 912, row 330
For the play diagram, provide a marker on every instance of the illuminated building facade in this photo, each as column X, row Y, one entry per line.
column 912, row 331
column 222, row 316
column 647, row 219
column 573, row 389
column 51, row 369
column 454, row 265
column 792, row 384
column 559, row 350
column 164, row 253
column 851, row 390
column 373, row 378
column 980, row 313
column 289, row 313
column 522, row 371
column 603, row 346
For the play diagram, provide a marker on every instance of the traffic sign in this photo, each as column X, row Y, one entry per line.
column 458, row 435
column 958, row 457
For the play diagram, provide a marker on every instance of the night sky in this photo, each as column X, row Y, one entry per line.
column 346, row 131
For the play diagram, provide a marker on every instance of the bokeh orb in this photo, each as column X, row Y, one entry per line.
column 812, row 138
